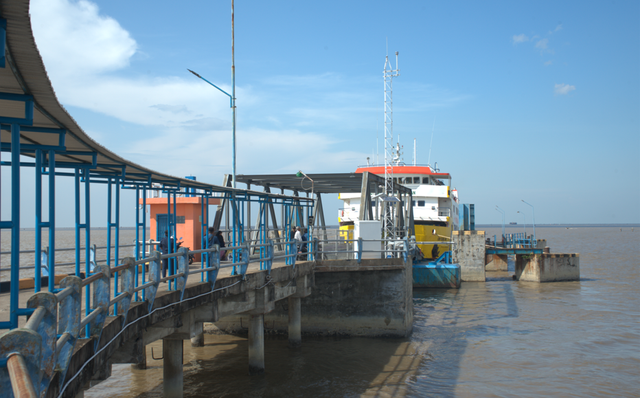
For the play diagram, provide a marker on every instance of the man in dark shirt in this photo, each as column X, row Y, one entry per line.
column 164, row 249
column 220, row 241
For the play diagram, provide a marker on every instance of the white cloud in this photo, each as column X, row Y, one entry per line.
column 563, row 89
column 81, row 49
column 208, row 153
column 549, row 62
column 542, row 44
column 519, row 38
column 75, row 40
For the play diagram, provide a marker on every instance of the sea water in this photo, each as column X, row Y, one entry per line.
column 499, row 338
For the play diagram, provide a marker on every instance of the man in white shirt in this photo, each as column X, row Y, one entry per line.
column 298, row 238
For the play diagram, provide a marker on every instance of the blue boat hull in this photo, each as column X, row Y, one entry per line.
column 436, row 276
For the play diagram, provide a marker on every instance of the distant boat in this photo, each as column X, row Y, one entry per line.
column 513, row 223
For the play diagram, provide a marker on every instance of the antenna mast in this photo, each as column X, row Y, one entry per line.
column 389, row 74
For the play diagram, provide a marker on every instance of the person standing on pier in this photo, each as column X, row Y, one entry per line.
column 305, row 239
column 164, row 249
column 220, row 241
column 211, row 239
column 292, row 234
column 298, row 238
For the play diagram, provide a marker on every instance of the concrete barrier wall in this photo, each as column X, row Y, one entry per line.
column 548, row 267
column 372, row 299
column 469, row 253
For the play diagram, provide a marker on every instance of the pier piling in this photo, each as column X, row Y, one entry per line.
column 256, row 344
column 172, row 352
column 295, row 331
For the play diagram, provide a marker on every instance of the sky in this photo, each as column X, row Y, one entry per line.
column 536, row 101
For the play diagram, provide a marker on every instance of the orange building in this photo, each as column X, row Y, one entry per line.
column 188, row 215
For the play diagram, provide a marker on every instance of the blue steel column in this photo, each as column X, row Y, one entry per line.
column 109, row 225
column 174, row 263
column 87, row 242
column 117, row 222
column 137, row 245
column 203, row 234
column 144, row 236
column 116, row 225
column 38, row 243
column 52, row 220
column 109, row 222
column 77, row 217
column 15, row 223
column 169, row 230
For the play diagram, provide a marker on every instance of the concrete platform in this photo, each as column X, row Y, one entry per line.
column 548, row 267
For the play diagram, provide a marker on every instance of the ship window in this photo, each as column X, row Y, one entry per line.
column 373, row 203
column 421, row 203
column 413, row 203
column 425, row 180
column 416, row 180
column 395, row 180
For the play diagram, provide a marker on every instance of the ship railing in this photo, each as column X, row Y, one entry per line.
column 359, row 249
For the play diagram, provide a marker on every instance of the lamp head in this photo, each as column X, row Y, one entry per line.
column 194, row 73
column 299, row 174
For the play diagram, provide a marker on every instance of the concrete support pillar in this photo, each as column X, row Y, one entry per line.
column 172, row 352
column 142, row 363
column 295, row 330
column 197, row 340
column 469, row 253
column 256, row 344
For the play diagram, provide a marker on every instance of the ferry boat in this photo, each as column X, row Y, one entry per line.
column 435, row 205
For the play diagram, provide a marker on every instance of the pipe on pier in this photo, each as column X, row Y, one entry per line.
column 19, row 375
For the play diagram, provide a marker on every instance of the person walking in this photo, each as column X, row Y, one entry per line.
column 220, row 241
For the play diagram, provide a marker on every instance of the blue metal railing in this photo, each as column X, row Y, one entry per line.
column 515, row 241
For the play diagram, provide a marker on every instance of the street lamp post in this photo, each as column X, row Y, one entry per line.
column 232, row 96
column 232, row 105
column 501, row 211
column 300, row 173
column 525, row 223
column 534, row 220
